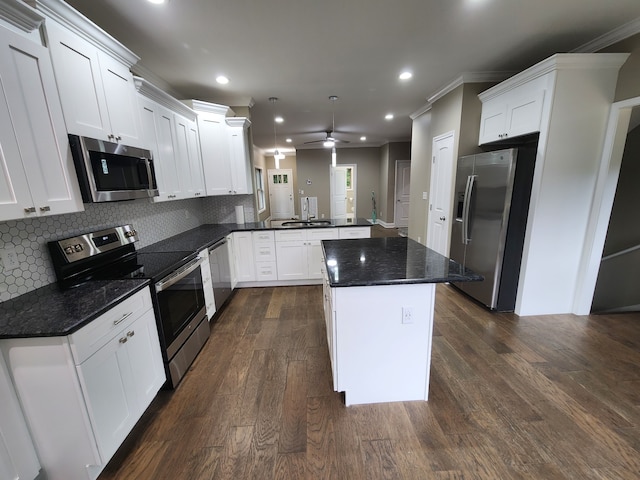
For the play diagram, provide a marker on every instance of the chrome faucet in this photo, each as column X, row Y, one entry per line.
column 309, row 216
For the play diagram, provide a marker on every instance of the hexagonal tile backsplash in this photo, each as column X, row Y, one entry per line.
column 154, row 222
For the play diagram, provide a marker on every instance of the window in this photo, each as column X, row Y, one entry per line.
column 260, row 190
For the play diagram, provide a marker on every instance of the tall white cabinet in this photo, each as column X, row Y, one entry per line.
column 567, row 99
column 37, row 176
column 93, row 74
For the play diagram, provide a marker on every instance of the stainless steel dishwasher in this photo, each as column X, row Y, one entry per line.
column 220, row 272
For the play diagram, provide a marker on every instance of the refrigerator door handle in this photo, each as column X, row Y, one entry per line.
column 471, row 180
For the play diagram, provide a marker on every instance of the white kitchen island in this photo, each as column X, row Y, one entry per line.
column 379, row 297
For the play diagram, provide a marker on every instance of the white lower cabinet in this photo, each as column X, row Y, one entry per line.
column 355, row 232
column 299, row 252
column 18, row 459
column 82, row 394
column 264, row 254
column 243, row 255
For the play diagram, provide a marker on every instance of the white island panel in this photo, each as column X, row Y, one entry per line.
column 383, row 342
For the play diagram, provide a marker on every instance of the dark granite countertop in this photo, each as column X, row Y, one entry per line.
column 51, row 312
column 206, row 235
column 389, row 261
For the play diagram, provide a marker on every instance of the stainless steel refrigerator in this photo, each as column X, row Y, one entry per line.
column 492, row 194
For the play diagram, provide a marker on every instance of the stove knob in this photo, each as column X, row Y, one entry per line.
column 68, row 250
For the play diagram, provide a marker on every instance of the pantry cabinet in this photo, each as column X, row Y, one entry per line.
column 37, row 176
column 93, row 75
column 566, row 99
column 83, row 393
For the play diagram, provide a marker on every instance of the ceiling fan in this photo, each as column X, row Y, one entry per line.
column 330, row 140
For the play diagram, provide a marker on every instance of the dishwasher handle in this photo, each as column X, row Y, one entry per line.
column 217, row 245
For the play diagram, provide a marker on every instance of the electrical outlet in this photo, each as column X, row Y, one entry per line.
column 407, row 315
column 424, row 195
column 9, row 259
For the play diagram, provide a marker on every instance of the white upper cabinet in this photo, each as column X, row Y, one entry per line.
column 170, row 131
column 226, row 156
column 92, row 70
column 239, row 155
column 514, row 113
column 37, row 176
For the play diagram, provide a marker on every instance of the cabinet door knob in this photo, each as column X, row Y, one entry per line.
column 123, row 340
column 443, row 218
column 131, row 333
column 46, row 208
column 30, row 210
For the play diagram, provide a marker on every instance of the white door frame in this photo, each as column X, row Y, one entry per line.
column 602, row 203
column 449, row 185
column 353, row 189
column 396, row 196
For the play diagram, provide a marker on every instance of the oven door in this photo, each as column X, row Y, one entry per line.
column 181, row 305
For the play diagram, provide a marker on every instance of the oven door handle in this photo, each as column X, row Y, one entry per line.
column 179, row 275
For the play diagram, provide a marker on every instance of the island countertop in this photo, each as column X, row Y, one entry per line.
column 389, row 261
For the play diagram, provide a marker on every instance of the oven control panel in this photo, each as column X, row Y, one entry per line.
column 94, row 243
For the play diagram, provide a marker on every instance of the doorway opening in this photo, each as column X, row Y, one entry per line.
column 343, row 191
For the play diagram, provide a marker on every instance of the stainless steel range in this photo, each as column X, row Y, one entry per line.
column 176, row 286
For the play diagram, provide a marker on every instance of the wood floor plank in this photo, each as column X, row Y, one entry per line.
column 535, row 398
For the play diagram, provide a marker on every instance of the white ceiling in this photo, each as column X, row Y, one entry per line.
column 303, row 51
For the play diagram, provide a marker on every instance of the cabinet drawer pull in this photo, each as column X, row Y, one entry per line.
column 131, row 333
column 123, row 340
column 116, row 322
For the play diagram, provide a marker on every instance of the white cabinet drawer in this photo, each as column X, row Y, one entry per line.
column 263, row 237
column 266, row 271
column 86, row 341
column 355, row 232
column 289, row 235
column 323, row 234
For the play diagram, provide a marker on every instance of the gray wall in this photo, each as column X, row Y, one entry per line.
column 388, row 155
column 313, row 165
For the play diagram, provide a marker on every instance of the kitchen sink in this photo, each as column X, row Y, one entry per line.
column 307, row 223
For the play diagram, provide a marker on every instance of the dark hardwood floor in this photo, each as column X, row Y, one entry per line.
column 549, row 397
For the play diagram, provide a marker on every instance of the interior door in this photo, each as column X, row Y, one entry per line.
column 403, row 181
column 338, row 185
column 440, row 198
column 281, row 193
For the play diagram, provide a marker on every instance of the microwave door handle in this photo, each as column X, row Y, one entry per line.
column 179, row 275
column 466, row 207
column 150, row 175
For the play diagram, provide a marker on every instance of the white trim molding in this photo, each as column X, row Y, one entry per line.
column 614, row 36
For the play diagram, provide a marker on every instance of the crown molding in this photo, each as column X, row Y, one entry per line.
column 65, row 15
column 208, row 107
column 614, row 36
column 421, row 111
column 469, row 77
column 159, row 96
column 20, row 15
column 238, row 122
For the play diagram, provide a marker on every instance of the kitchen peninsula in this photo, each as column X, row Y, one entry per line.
column 379, row 296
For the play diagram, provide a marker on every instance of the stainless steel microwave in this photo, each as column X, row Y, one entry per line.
column 110, row 172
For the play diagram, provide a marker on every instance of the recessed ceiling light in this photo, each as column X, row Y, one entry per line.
column 389, row 116
column 279, row 119
column 221, row 79
column 363, row 138
column 289, row 140
column 406, row 75
column 157, row 2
